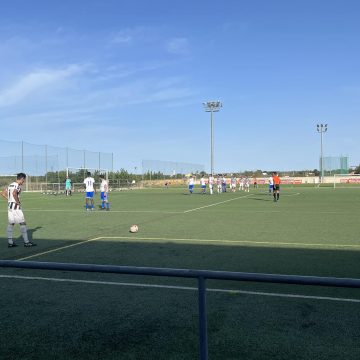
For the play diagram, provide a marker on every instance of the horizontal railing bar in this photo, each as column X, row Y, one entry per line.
column 187, row 273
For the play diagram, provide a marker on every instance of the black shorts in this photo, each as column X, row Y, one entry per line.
column 276, row 187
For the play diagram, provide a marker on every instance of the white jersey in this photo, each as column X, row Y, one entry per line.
column 89, row 183
column 271, row 180
column 104, row 187
column 191, row 181
column 15, row 214
column 211, row 180
column 202, row 182
column 10, row 193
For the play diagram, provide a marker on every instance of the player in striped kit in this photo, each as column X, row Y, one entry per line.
column 15, row 213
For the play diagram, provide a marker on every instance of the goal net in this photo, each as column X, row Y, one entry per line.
column 77, row 176
column 346, row 181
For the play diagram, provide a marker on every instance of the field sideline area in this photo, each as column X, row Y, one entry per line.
column 67, row 315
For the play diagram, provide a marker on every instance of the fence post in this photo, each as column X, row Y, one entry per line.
column 202, row 319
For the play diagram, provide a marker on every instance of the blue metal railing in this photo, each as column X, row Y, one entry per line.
column 201, row 275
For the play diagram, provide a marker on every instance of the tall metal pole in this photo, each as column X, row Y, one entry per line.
column 321, row 128
column 22, row 156
column 212, row 144
column 212, row 106
column 321, row 156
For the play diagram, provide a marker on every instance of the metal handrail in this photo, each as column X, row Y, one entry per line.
column 201, row 275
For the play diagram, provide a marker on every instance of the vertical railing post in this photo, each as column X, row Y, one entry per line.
column 202, row 319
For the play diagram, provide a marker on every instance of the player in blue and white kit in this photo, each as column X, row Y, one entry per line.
column 104, row 190
column 271, row 185
column 233, row 184
column 203, row 185
column 211, row 184
column 219, row 184
column 90, row 190
column 191, row 184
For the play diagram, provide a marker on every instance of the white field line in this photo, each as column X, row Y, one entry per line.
column 60, row 248
column 217, row 203
column 97, row 211
column 230, row 241
column 296, row 194
column 157, row 286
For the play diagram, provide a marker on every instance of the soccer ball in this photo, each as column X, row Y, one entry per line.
column 134, row 228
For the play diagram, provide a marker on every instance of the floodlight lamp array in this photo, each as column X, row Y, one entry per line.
column 321, row 128
column 212, row 106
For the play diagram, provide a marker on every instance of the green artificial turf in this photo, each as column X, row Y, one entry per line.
column 310, row 231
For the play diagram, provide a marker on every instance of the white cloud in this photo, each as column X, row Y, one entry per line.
column 36, row 81
column 178, row 46
column 128, row 35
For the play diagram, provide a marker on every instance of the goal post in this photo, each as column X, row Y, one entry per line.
column 71, row 171
column 78, row 174
column 346, row 181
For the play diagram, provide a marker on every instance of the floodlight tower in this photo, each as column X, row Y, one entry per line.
column 211, row 107
column 321, row 128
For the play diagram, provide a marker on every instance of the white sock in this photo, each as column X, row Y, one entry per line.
column 23, row 230
column 10, row 229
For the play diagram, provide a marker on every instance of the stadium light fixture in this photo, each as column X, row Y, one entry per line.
column 211, row 107
column 321, row 129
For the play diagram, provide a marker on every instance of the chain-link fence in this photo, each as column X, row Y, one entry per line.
column 40, row 160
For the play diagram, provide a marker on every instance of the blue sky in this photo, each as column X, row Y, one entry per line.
column 130, row 77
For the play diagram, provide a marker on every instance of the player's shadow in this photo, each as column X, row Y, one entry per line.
column 31, row 232
column 261, row 199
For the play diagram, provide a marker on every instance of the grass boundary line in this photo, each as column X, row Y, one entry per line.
column 231, row 241
column 175, row 287
column 59, row 248
column 218, row 203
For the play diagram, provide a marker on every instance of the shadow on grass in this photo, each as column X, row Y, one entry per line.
column 82, row 320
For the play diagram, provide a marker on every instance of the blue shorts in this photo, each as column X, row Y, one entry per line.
column 89, row 194
column 203, row 186
column 191, row 187
column 103, row 196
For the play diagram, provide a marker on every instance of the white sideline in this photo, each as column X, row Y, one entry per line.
column 326, row 246
column 217, row 203
column 157, row 286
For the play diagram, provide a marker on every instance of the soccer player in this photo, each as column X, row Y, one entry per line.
column 211, row 184
column 68, row 186
column 203, row 185
column 271, row 184
column 276, row 186
column 89, row 188
column 191, row 184
column 247, row 184
column 15, row 213
column 241, row 183
column 223, row 184
column 219, row 184
column 233, row 184
column 104, row 190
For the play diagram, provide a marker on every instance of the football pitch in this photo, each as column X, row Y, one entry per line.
column 74, row 315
